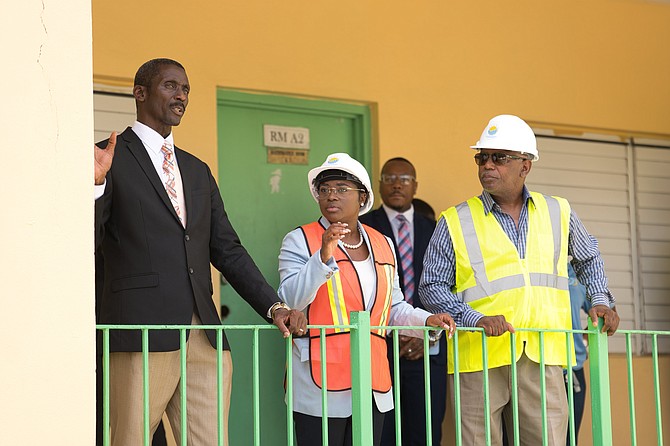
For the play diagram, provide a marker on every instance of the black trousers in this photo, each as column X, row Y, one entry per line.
column 308, row 429
column 578, row 397
column 413, row 402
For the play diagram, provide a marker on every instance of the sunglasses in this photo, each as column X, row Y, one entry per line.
column 499, row 159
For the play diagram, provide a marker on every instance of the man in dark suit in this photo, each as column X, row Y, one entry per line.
column 411, row 232
column 160, row 221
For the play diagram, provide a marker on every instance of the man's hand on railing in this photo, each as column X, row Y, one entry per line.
column 444, row 321
column 610, row 316
column 495, row 325
column 290, row 322
column 410, row 348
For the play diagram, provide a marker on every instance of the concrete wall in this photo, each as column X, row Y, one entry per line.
column 46, row 236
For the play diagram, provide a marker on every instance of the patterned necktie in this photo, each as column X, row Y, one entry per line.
column 406, row 255
column 168, row 168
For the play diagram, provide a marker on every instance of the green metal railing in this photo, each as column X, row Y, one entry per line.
column 362, row 387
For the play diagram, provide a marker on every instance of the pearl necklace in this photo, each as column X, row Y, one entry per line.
column 357, row 245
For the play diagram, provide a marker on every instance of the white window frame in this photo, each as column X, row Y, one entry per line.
column 642, row 344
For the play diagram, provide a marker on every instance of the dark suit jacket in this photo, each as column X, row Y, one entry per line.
column 155, row 270
column 423, row 231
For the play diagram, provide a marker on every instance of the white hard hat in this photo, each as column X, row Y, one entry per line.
column 508, row 132
column 355, row 172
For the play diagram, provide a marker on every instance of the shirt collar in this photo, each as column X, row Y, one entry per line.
column 490, row 204
column 151, row 139
column 392, row 213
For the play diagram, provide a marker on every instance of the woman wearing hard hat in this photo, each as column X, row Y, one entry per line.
column 327, row 269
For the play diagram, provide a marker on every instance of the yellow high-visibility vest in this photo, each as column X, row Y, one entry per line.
column 493, row 279
column 338, row 297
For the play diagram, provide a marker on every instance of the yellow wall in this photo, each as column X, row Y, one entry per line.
column 435, row 71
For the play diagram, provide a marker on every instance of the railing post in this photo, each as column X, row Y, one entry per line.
column 361, row 379
column 600, row 386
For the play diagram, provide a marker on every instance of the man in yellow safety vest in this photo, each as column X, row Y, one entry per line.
column 499, row 262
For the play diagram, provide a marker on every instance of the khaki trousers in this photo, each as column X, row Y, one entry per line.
column 500, row 399
column 126, row 383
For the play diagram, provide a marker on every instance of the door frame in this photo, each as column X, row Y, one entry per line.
column 358, row 112
column 358, row 119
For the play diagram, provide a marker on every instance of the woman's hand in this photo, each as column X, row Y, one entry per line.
column 444, row 321
column 333, row 234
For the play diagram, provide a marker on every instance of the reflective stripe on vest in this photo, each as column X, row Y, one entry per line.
column 341, row 294
column 485, row 287
column 494, row 280
column 337, row 305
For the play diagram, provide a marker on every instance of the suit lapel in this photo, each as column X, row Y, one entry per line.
column 418, row 239
column 417, row 260
column 385, row 225
column 423, row 231
column 139, row 152
column 386, row 229
column 186, row 179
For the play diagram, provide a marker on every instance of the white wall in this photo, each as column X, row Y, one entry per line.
column 46, row 224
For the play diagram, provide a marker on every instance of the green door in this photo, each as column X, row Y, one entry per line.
column 265, row 201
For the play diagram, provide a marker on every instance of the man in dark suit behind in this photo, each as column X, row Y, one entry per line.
column 160, row 221
column 397, row 218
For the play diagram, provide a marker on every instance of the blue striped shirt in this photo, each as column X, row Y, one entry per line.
column 438, row 281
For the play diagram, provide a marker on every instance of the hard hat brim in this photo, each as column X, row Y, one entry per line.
column 484, row 146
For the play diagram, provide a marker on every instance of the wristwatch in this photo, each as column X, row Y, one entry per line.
column 275, row 307
column 434, row 336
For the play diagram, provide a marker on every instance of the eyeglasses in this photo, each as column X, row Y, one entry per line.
column 499, row 159
column 405, row 180
column 324, row 192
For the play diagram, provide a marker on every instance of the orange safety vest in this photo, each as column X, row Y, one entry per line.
column 339, row 296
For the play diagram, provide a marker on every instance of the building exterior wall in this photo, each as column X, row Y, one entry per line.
column 46, row 236
column 436, row 71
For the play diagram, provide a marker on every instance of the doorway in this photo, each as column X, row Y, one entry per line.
column 266, row 194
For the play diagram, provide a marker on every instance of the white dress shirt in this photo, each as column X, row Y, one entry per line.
column 153, row 142
column 395, row 224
